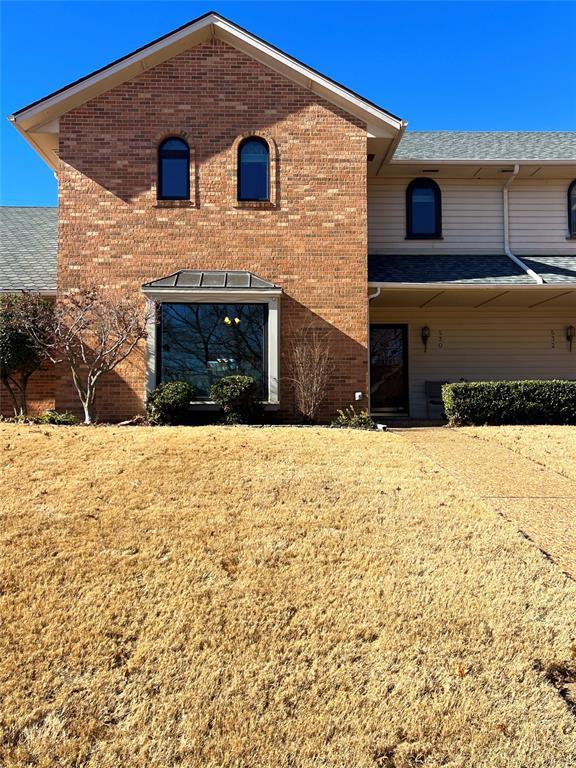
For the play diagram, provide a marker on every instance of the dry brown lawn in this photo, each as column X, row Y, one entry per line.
column 267, row 598
column 551, row 446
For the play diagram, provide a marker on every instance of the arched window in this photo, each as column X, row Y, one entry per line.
column 572, row 209
column 253, row 170
column 173, row 170
column 423, row 210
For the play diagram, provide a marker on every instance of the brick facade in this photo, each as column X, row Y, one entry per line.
column 40, row 392
column 311, row 239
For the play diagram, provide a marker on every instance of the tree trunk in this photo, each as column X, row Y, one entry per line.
column 88, row 419
column 88, row 403
column 15, row 404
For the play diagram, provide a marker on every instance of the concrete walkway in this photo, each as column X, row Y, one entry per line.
column 541, row 502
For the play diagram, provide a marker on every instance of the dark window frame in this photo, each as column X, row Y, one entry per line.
column 571, row 218
column 265, row 340
column 173, row 154
column 239, row 196
column 424, row 183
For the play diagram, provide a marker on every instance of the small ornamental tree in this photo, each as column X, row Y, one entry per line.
column 18, row 355
column 312, row 366
column 92, row 331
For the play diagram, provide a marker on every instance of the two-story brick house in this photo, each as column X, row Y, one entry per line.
column 250, row 196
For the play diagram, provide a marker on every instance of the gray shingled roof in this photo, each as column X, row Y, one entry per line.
column 465, row 270
column 28, row 248
column 487, row 145
column 554, row 269
column 217, row 279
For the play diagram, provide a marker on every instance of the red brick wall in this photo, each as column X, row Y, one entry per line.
column 39, row 393
column 312, row 241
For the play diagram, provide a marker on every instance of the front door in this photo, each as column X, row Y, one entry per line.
column 389, row 368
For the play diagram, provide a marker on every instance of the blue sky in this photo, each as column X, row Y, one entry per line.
column 439, row 65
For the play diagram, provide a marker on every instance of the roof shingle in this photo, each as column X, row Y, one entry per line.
column 487, row 145
column 28, row 248
column 469, row 270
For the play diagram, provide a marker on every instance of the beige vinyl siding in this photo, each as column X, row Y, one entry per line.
column 539, row 218
column 478, row 345
column 472, row 218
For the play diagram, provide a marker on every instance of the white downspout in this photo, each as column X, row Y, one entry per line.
column 370, row 297
column 534, row 275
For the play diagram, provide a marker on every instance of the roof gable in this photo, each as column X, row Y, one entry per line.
column 38, row 122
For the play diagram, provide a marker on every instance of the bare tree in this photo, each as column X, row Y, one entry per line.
column 90, row 330
column 312, row 367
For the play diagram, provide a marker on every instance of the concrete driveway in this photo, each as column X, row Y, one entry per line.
column 540, row 501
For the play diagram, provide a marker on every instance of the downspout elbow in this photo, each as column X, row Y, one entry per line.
column 374, row 295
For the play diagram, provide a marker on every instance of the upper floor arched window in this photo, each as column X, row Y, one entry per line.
column 423, row 209
column 572, row 209
column 253, row 169
column 173, row 170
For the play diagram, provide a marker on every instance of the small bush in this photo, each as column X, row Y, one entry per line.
column 56, row 417
column 352, row 419
column 238, row 398
column 510, row 402
column 169, row 404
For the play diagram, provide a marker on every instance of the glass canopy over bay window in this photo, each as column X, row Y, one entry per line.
column 209, row 325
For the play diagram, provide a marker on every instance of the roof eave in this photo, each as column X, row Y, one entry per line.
column 41, row 291
column 39, row 113
column 476, row 160
column 512, row 286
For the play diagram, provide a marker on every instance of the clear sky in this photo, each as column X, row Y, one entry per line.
column 440, row 65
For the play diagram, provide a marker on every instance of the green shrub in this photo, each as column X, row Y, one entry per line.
column 238, row 398
column 56, row 417
column 19, row 358
column 510, row 402
column 352, row 419
column 169, row 403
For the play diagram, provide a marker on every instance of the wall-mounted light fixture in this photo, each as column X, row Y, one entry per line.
column 570, row 333
column 425, row 335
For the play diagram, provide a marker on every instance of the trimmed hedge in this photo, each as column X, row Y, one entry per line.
column 169, row 404
column 238, row 398
column 510, row 402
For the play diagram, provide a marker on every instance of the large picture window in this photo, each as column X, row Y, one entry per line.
column 201, row 343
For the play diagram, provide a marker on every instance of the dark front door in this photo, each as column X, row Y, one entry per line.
column 389, row 368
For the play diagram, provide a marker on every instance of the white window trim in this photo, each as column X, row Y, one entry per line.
column 254, row 296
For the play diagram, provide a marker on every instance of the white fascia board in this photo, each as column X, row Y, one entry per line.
column 39, row 291
column 314, row 81
column 116, row 73
column 473, row 286
column 209, row 26
column 226, row 295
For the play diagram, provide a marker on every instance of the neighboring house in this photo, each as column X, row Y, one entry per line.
column 28, row 251
column 250, row 196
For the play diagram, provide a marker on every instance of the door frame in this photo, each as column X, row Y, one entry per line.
column 406, row 378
